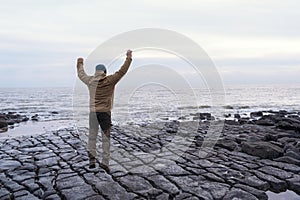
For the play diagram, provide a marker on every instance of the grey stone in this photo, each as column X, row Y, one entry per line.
column 11, row 185
column 270, row 137
column 213, row 177
column 114, row 191
column 68, row 182
column 278, row 173
column 232, row 122
column 46, row 182
column 3, row 124
column 53, row 197
column 256, row 192
column 289, row 124
column 294, row 183
column 262, row 149
column 256, row 114
column 282, row 165
column 276, row 185
column 35, row 150
column 227, row 144
column 164, row 184
column 136, row 184
column 24, row 195
column 162, row 196
column 264, row 122
column 173, row 170
column 9, row 165
column 253, row 181
column 78, row 192
column 239, row 167
column 293, row 154
column 4, row 193
column 24, row 176
column 31, row 184
column 192, row 184
column 288, row 159
column 237, row 116
column 238, row 194
column 182, row 196
column 217, row 190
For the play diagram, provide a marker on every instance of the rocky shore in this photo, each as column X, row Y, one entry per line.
column 253, row 155
column 9, row 119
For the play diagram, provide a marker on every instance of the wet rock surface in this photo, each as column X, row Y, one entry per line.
column 156, row 161
column 9, row 119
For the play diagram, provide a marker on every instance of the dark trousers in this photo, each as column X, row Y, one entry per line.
column 104, row 120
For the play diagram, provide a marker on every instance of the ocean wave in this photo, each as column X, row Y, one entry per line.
column 193, row 107
column 231, row 107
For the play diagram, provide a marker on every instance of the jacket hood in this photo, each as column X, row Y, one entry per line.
column 99, row 75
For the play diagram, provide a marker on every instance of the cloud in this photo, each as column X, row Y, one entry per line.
column 238, row 35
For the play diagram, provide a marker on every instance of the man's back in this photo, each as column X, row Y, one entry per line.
column 101, row 87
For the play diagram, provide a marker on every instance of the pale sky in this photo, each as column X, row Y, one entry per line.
column 255, row 41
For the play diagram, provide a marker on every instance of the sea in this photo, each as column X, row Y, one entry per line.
column 67, row 107
column 59, row 108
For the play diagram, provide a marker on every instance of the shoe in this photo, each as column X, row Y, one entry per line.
column 105, row 167
column 92, row 160
column 92, row 165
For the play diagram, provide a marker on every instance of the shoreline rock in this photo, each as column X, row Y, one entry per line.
column 9, row 119
column 248, row 160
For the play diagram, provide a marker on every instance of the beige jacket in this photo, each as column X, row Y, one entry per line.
column 101, row 87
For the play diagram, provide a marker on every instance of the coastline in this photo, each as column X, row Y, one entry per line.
column 250, row 158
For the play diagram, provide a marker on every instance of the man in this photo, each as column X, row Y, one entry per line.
column 101, row 90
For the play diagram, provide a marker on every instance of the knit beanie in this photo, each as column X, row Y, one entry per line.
column 101, row 67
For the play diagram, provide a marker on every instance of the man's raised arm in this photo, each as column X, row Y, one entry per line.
column 124, row 68
column 81, row 73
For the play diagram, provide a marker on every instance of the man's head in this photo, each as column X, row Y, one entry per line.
column 101, row 67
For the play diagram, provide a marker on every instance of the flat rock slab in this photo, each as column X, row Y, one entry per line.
column 262, row 149
column 241, row 165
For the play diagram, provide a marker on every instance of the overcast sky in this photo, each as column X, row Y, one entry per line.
column 255, row 41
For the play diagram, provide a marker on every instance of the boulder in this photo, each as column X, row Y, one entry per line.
column 204, row 116
column 243, row 120
column 292, row 151
column 293, row 154
column 256, row 114
column 228, row 107
column 3, row 124
column 3, row 117
column 10, row 122
column 262, row 149
column 270, row 137
column 231, row 122
column 283, row 112
column 227, row 115
column 236, row 193
column 172, row 127
column 227, row 144
column 289, row 160
column 274, row 118
column 297, row 145
column 289, row 124
column 294, row 183
column 25, row 119
column 35, row 117
column 237, row 116
column 264, row 122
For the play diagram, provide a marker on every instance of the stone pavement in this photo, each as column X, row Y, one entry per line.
column 55, row 166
